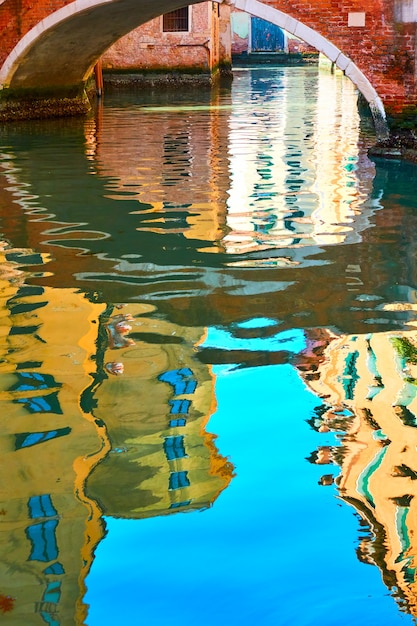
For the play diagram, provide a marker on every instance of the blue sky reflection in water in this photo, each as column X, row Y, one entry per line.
column 276, row 548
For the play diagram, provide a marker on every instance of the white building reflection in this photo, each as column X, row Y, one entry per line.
column 298, row 159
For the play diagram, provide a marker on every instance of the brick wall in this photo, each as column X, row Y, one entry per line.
column 383, row 49
column 17, row 17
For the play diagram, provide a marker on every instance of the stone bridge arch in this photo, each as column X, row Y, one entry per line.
column 372, row 41
column 61, row 49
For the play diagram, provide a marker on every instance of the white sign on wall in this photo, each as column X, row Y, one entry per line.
column 356, row 19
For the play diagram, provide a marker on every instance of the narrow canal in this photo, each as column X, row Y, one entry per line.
column 208, row 362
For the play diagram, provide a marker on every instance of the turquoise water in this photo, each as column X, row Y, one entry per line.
column 276, row 548
column 208, row 361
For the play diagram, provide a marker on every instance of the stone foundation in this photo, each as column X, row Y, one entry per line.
column 30, row 104
column 400, row 145
column 133, row 79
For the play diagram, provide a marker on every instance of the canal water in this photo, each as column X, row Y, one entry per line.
column 208, row 368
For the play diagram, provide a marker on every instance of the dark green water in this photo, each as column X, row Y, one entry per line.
column 208, row 385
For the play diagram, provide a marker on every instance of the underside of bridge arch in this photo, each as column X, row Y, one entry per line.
column 63, row 48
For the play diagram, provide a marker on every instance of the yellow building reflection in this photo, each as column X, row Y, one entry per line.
column 162, row 459
column 368, row 384
column 46, row 360
column 103, row 410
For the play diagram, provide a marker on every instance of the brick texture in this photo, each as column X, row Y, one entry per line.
column 384, row 50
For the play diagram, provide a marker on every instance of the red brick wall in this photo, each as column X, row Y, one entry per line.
column 383, row 50
column 17, row 17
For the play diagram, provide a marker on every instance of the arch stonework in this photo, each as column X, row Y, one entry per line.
column 372, row 41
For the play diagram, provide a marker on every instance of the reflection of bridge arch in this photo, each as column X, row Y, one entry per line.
column 61, row 50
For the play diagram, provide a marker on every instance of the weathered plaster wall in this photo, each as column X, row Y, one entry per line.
column 148, row 47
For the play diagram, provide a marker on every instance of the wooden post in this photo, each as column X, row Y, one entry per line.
column 98, row 73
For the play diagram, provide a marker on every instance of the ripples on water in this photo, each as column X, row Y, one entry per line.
column 208, row 304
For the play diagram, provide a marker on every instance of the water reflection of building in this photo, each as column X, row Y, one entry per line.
column 63, row 413
column 46, row 447
column 176, row 172
column 162, row 459
column 170, row 191
column 300, row 169
column 369, row 388
column 282, row 168
column 343, row 172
